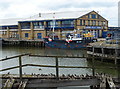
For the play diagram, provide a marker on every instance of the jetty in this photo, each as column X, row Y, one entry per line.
column 104, row 51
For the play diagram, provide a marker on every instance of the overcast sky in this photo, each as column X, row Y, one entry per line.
column 26, row 8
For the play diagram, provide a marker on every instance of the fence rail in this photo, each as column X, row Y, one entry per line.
column 57, row 66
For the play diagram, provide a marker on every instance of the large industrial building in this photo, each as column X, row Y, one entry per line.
column 59, row 23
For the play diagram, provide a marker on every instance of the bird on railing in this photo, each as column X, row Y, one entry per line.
column 40, row 69
column 8, row 73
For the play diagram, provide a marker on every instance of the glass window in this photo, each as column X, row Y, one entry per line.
column 25, row 25
column 94, row 22
column 99, row 23
column 93, row 16
column 38, row 25
column 88, row 22
column 81, row 22
column 67, row 23
column 88, row 15
column 104, row 23
column 84, row 22
column 91, row 22
column 26, row 35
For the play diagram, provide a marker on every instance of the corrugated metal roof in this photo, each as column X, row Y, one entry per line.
column 10, row 21
column 57, row 15
column 45, row 16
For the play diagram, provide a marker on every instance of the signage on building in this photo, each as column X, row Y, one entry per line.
column 93, row 27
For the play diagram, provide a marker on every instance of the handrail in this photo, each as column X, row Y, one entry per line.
column 35, row 65
column 35, row 55
column 57, row 66
column 14, row 56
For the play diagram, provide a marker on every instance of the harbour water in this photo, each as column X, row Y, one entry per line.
column 12, row 51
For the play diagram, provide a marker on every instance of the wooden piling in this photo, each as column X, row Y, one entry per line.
column 102, row 54
column 20, row 68
column 57, row 69
column 93, row 69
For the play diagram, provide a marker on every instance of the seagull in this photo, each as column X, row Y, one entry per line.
column 40, row 69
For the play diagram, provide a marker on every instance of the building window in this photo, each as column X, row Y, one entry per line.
column 39, row 35
column 104, row 23
column 26, row 35
column 91, row 22
column 81, row 22
column 68, row 23
column 52, row 23
column 38, row 25
column 25, row 25
column 88, row 22
column 99, row 23
column 88, row 15
column 84, row 22
column 94, row 22
column 93, row 16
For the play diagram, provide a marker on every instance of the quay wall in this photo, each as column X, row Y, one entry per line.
column 24, row 43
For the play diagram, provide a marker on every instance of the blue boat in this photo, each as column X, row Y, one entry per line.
column 72, row 42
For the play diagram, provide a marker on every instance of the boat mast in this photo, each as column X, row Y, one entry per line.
column 53, row 25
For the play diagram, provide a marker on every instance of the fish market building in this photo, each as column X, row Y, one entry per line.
column 61, row 23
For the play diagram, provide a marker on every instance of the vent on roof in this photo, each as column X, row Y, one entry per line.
column 39, row 14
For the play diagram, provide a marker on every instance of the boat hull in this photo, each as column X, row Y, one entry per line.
column 62, row 44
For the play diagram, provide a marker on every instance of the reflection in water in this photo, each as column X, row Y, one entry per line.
column 11, row 51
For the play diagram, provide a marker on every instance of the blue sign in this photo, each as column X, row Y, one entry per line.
column 93, row 27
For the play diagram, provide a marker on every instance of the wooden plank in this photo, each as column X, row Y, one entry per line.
column 8, row 84
column 22, row 85
column 61, row 83
column 31, row 55
column 111, row 83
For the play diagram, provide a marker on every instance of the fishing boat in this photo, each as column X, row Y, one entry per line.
column 72, row 41
column 75, row 41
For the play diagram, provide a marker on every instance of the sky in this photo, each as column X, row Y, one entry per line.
column 26, row 8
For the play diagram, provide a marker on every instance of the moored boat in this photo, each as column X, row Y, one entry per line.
column 71, row 42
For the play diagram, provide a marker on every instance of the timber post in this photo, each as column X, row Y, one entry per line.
column 102, row 54
column 57, row 69
column 93, row 68
column 20, row 68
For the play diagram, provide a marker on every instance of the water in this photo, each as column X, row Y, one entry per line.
column 12, row 51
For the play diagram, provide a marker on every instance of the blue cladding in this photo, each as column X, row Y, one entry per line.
column 104, row 34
